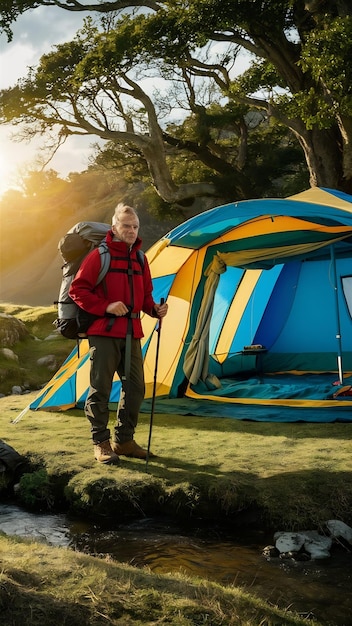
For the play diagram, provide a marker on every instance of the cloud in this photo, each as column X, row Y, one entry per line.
column 34, row 34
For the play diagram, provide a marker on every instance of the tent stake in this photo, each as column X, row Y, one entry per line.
column 22, row 414
column 338, row 328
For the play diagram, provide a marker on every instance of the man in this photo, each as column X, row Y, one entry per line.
column 114, row 337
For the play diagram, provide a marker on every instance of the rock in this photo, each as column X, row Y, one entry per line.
column 12, row 330
column 288, row 542
column 297, row 545
column 339, row 530
column 289, row 555
column 9, row 354
column 48, row 361
column 270, row 552
column 302, row 556
column 317, row 545
column 16, row 390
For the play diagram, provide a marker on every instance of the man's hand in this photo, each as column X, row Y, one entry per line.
column 117, row 308
column 161, row 309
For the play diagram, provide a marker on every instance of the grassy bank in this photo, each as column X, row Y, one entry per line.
column 45, row 585
column 283, row 476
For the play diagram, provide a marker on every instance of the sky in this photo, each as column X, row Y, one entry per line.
column 35, row 33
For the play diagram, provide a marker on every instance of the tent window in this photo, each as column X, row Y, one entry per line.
column 347, row 290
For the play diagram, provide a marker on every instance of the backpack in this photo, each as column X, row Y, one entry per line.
column 12, row 465
column 72, row 321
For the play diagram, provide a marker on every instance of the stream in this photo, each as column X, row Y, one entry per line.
column 316, row 589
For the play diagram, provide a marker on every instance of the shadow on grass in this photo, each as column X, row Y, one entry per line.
column 31, row 606
column 294, row 430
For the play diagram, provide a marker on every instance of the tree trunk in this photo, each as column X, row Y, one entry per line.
column 322, row 150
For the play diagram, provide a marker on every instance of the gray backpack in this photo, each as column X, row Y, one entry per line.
column 72, row 321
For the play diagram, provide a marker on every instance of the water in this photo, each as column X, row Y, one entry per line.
column 320, row 589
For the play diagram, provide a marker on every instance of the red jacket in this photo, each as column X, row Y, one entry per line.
column 95, row 298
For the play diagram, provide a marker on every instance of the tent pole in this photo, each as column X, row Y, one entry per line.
column 338, row 329
column 158, row 330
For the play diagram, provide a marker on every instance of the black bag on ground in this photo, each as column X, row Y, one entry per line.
column 12, row 464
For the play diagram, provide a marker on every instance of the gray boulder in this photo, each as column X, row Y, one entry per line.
column 339, row 530
column 48, row 361
column 318, row 546
column 16, row 390
column 12, row 330
column 310, row 541
column 288, row 542
column 9, row 354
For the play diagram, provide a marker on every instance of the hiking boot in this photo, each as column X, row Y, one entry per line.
column 104, row 454
column 130, row 449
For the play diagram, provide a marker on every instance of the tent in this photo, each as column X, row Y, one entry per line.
column 260, row 314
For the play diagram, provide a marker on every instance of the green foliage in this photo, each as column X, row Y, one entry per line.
column 66, row 199
column 261, row 75
column 122, row 160
column 313, row 108
column 299, row 74
column 275, row 162
column 55, row 74
column 35, row 490
column 327, row 55
column 156, row 206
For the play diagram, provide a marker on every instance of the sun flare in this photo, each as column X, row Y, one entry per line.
column 6, row 174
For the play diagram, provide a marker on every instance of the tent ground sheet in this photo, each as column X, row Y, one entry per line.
column 276, row 398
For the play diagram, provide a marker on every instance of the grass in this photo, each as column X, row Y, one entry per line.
column 45, row 585
column 38, row 320
column 279, row 475
column 39, row 342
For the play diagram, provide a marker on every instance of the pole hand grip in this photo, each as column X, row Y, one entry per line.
column 162, row 300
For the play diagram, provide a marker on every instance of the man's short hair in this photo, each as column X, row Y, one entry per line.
column 123, row 209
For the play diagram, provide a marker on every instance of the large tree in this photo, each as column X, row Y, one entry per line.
column 300, row 76
column 94, row 85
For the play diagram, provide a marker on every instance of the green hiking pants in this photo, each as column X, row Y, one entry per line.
column 107, row 356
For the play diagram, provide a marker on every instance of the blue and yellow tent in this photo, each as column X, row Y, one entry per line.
column 260, row 314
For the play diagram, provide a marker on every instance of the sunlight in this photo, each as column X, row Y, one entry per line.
column 5, row 174
column 14, row 159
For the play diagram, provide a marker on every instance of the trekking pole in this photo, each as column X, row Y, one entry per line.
column 158, row 330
